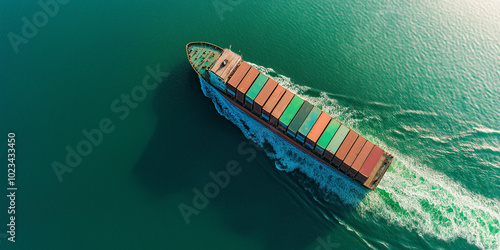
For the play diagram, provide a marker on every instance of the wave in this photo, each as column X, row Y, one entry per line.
column 486, row 130
column 421, row 199
column 416, row 112
column 412, row 195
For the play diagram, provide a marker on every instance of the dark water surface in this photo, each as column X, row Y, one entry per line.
column 421, row 79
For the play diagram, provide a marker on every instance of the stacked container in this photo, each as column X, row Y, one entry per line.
column 332, row 141
column 264, row 95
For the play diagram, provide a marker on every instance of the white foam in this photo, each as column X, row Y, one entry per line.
column 419, row 198
column 417, row 112
column 411, row 195
column 486, row 130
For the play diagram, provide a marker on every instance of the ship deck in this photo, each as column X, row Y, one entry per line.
column 202, row 56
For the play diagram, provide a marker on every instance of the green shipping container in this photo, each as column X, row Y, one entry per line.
column 308, row 124
column 337, row 139
column 256, row 87
column 328, row 134
column 290, row 111
column 299, row 118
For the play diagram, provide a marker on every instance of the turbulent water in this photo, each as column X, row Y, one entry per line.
column 420, row 79
column 412, row 195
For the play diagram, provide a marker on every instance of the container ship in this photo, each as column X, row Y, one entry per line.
column 288, row 115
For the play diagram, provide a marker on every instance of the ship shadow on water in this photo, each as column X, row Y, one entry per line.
column 285, row 210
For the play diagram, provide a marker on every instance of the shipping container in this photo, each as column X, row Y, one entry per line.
column 360, row 159
column 327, row 136
column 280, row 107
column 289, row 113
column 316, row 131
column 344, row 148
column 263, row 95
column 236, row 78
column 245, row 84
column 308, row 124
column 272, row 101
column 255, row 90
column 353, row 153
column 336, row 141
column 299, row 118
column 371, row 161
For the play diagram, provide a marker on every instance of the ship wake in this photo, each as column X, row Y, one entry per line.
column 411, row 195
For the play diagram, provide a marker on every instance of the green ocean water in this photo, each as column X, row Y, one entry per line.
column 420, row 79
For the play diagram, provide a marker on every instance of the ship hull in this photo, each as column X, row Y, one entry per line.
column 286, row 114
